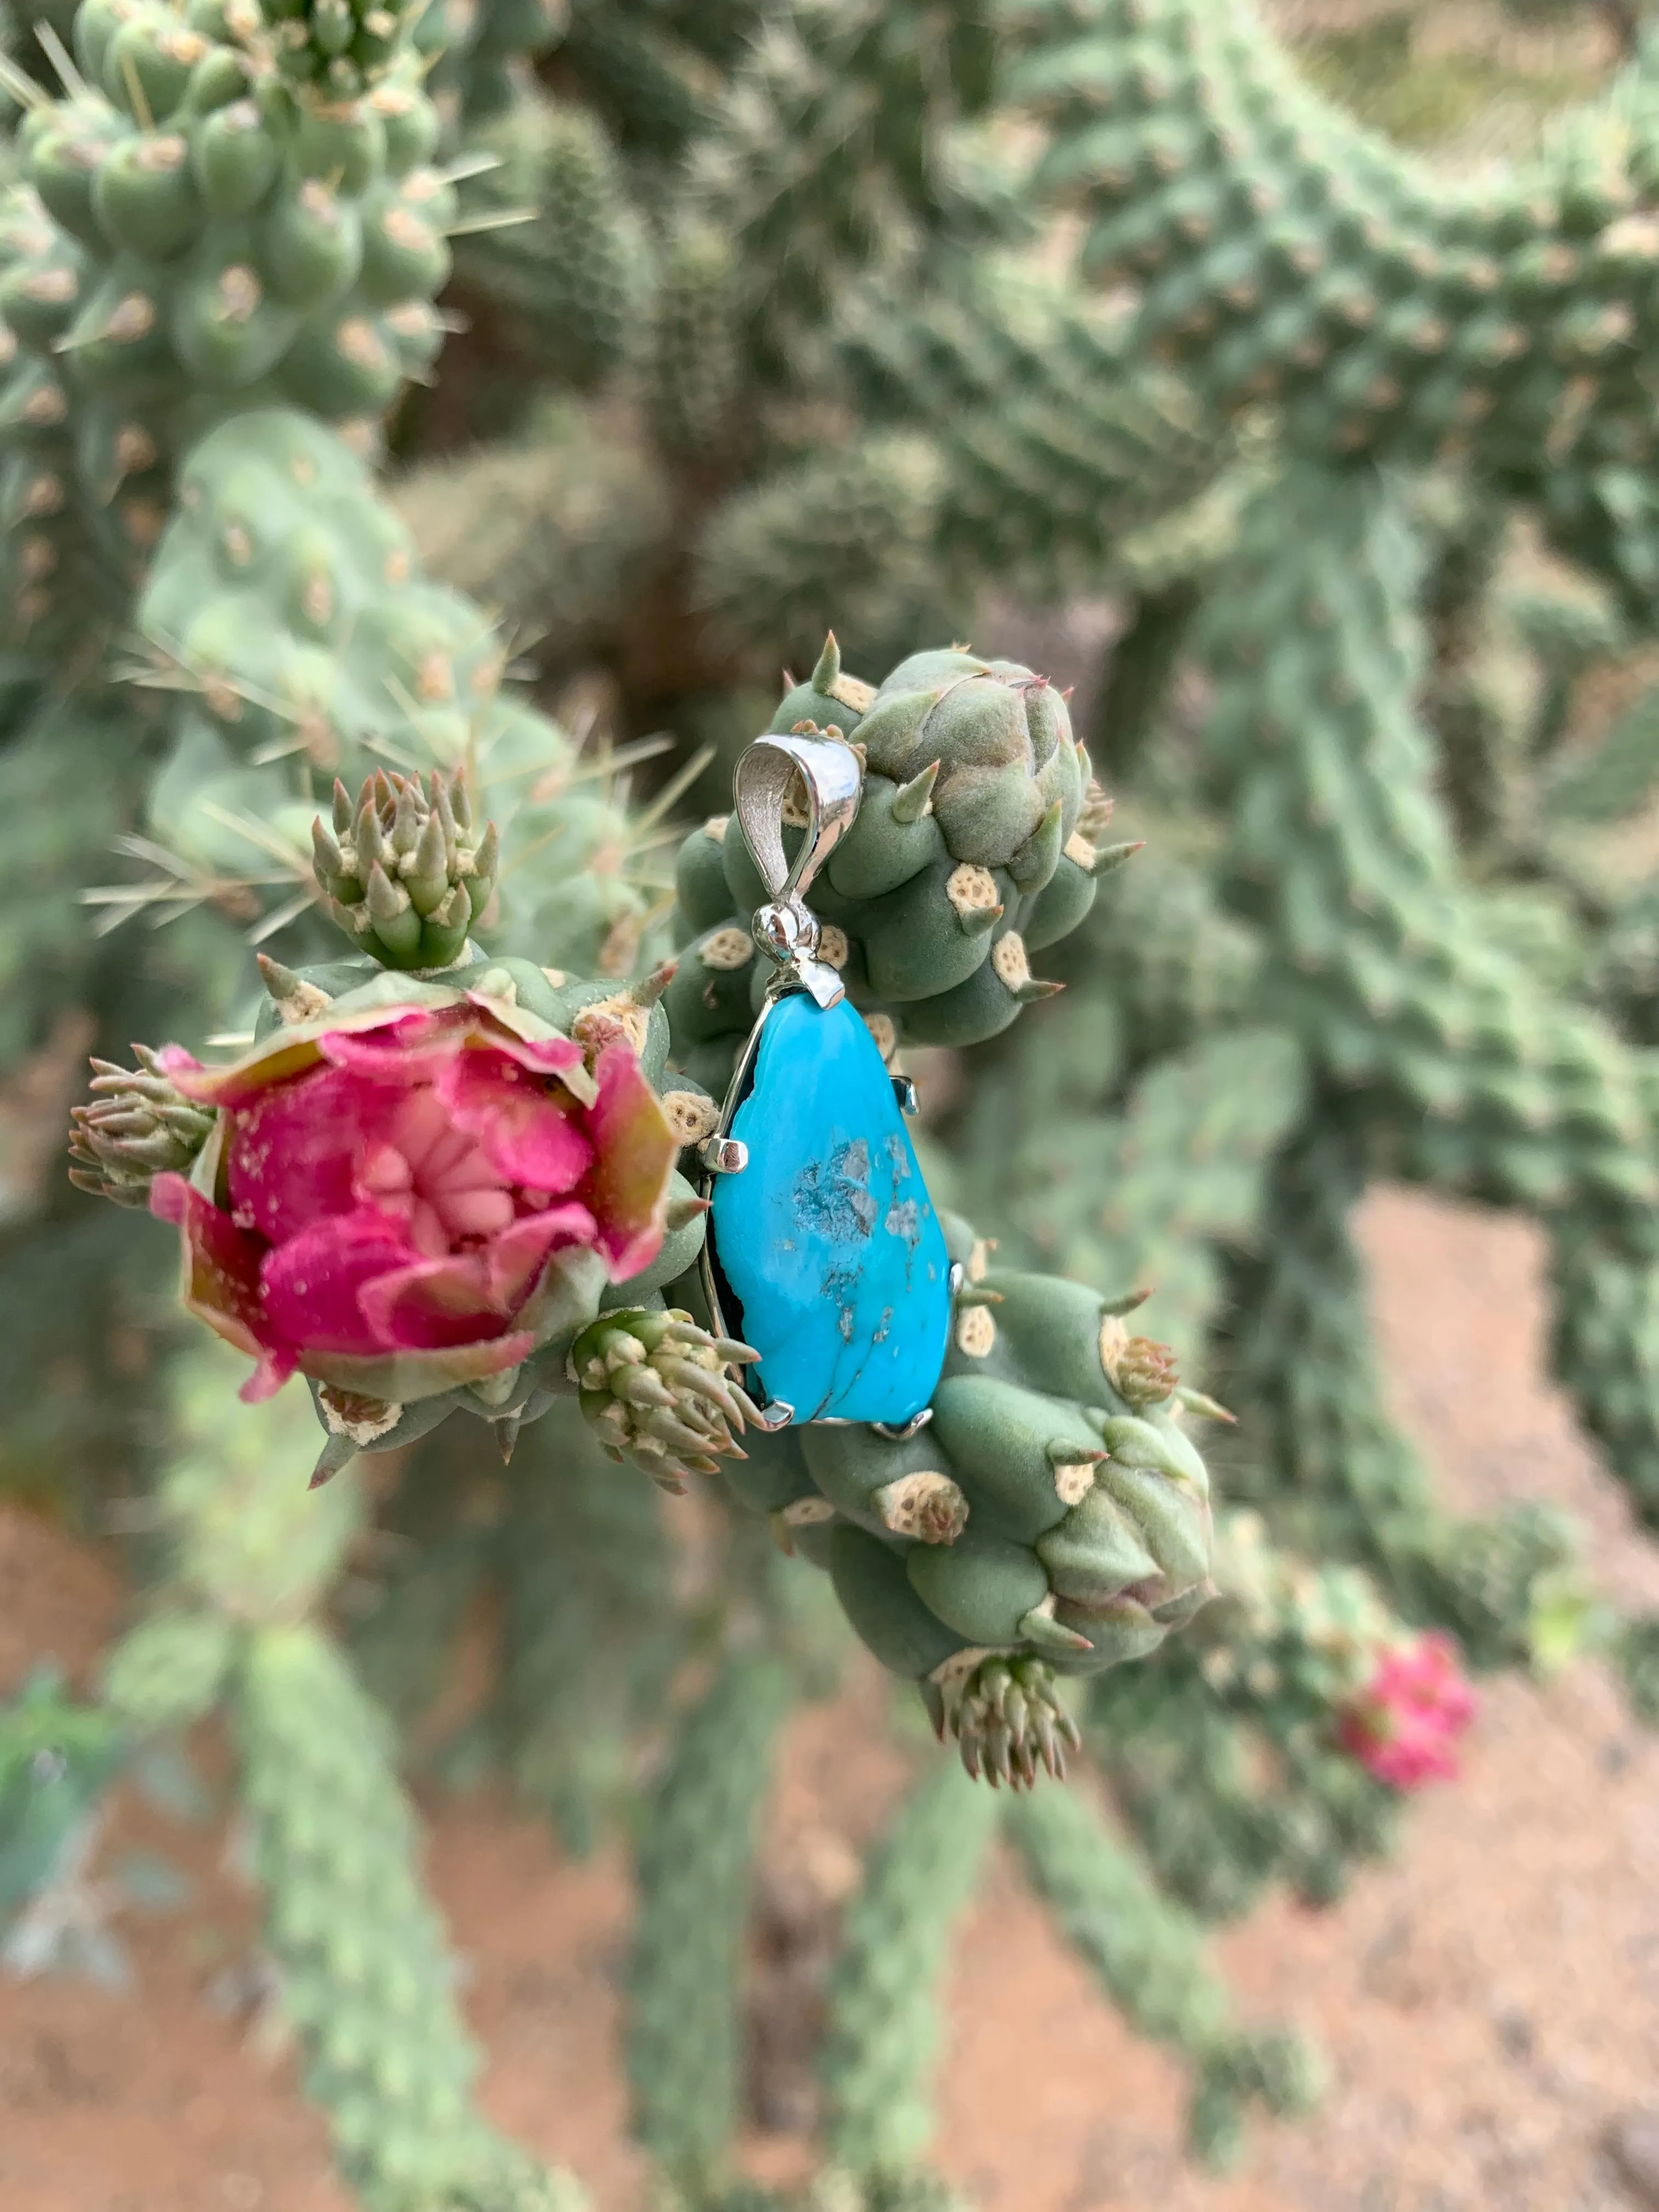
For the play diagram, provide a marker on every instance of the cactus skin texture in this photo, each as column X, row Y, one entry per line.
column 1147, row 1955
column 208, row 224
column 693, row 1868
column 1048, row 1516
column 882, row 2033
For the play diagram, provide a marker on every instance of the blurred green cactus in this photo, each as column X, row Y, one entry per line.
column 1079, row 328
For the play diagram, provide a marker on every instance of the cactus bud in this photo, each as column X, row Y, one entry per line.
column 402, row 871
column 654, row 1389
column 1005, row 1715
column 137, row 1127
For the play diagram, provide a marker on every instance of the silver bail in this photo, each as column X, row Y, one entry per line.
column 785, row 928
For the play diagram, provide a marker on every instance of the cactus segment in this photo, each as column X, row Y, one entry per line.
column 1048, row 1530
column 685, row 2034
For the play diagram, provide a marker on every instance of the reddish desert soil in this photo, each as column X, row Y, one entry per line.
column 1489, row 1999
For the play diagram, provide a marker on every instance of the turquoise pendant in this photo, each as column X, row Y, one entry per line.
column 823, row 1251
column 828, row 1250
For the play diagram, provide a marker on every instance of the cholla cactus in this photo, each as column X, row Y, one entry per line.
column 759, row 345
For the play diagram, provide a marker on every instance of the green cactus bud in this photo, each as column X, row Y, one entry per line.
column 64, row 160
column 1006, row 1716
column 1024, row 1458
column 983, row 1586
column 226, row 333
column 886, row 1483
column 343, row 144
column 703, row 897
column 336, row 50
column 310, row 244
column 654, row 1389
column 39, row 296
column 137, row 1127
column 149, row 61
column 1004, row 740
column 1063, row 903
column 412, row 879
column 899, row 836
column 96, row 22
column 405, row 254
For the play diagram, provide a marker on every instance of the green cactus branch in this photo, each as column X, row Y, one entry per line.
column 685, row 2034
column 365, row 1978
column 882, row 2040
column 1286, row 254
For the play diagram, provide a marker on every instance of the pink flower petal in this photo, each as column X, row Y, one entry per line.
column 222, row 1284
column 293, row 1152
column 313, row 1283
column 551, row 1055
column 627, row 1187
column 278, row 1060
column 406, row 1047
column 529, row 1134
column 516, row 1258
column 431, row 1304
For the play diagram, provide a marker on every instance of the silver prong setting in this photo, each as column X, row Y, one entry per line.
column 721, row 1156
column 912, row 1427
column 778, row 1415
column 908, row 1097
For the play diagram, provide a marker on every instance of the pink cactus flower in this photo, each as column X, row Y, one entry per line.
column 1403, row 1726
column 393, row 1195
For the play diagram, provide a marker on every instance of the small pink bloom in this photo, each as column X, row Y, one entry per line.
column 1404, row 1725
column 393, row 1189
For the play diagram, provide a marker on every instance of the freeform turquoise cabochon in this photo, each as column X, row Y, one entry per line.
column 828, row 1242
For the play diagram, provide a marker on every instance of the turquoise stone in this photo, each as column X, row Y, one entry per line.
column 833, row 1262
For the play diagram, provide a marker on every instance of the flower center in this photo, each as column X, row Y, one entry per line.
column 430, row 1175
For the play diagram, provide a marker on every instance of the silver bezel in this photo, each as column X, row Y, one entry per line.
column 781, row 986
